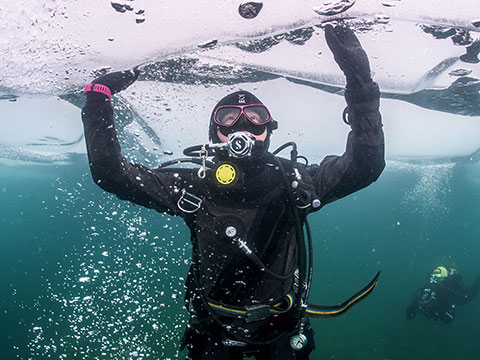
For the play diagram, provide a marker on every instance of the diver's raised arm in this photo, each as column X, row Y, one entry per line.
column 363, row 160
column 110, row 170
column 97, row 115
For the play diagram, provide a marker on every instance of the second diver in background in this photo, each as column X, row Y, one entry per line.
column 442, row 292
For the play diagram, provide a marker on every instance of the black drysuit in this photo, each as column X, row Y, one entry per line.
column 260, row 211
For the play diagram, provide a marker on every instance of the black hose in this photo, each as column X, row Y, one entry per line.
column 310, row 261
column 197, row 149
column 293, row 153
column 300, row 237
column 185, row 160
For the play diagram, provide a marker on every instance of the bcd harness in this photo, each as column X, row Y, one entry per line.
column 303, row 197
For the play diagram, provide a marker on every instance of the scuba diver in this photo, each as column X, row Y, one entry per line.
column 442, row 292
column 246, row 209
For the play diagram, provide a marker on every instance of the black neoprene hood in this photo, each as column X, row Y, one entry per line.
column 237, row 98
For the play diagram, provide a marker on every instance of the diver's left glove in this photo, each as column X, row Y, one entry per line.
column 362, row 94
column 349, row 55
column 113, row 82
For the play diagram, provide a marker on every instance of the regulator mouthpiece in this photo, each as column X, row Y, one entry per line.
column 240, row 145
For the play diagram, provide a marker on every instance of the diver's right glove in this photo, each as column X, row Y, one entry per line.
column 114, row 82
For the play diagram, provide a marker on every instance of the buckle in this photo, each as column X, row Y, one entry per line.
column 189, row 203
column 257, row 312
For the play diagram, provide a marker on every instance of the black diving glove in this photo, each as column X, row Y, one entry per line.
column 349, row 55
column 118, row 80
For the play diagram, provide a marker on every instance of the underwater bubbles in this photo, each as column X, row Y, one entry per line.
column 460, row 72
column 208, row 44
column 388, row 4
column 429, row 195
column 476, row 23
column 124, row 6
column 116, row 294
column 119, row 6
column 334, row 7
column 382, row 18
column 250, row 10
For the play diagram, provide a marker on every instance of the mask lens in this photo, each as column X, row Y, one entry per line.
column 226, row 116
column 257, row 114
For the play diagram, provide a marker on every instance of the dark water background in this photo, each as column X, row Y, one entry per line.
column 87, row 276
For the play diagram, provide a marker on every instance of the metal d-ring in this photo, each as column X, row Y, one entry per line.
column 190, row 199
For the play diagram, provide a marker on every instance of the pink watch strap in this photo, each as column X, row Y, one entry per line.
column 98, row 88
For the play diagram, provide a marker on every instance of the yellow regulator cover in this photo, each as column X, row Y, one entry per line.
column 225, row 174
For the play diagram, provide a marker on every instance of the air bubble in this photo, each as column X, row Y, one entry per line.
column 460, row 72
column 208, row 44
column 382, row 19
column 118, row 6
column 250, row 10
column 334, row 7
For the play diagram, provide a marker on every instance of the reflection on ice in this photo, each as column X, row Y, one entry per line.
column 157, row 120
column 279, row 55
column 52, row 51
column 40, row 130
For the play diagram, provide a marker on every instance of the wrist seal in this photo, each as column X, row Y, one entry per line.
column 98, row 88
column 363, row 100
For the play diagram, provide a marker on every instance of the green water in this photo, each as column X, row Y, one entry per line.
column 87, row 276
